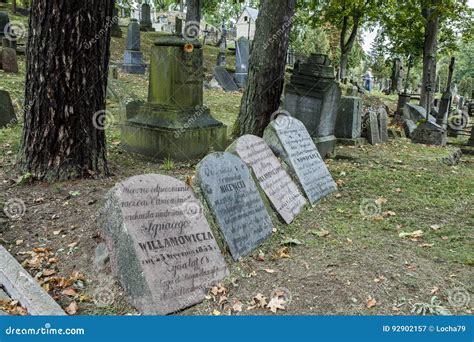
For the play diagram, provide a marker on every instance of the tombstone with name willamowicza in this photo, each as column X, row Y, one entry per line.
column 7, row 113
column 234, row 201
column 133, row 57
column 161, row 248
column 242, row 56
column 270, row 174
column 290, row 140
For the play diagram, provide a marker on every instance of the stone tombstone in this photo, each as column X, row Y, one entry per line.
column 7, row 113
column 173, row 122
column 4, row 21
column 242, row 57
column 429, row 133
column 145, row 21
column 371, row 124
column 312, row 96
column 290, row 140
column 133, row 57
column 224, row 79
column 161, row 247
column 382, row 118
column 115, row 30
column 270, row 174
column 234, row 201
column 9, row 60
column 349, row 118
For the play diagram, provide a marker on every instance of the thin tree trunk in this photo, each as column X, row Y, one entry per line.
column 14, row 6
column 346, row 47
column 429, row 54
column 267, row 67
column 66, row 82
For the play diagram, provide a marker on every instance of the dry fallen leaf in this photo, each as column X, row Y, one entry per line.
column 283, row 252
column 434, row 290
column 72, row 308
column 426, row 245
column 269, row 270
column 69, row 292
column 381, row 200
column 216, row 312
column 320, row 233
column 371, row 302
column 415, row 235
column 435, row 226
column 48, row 273
column 237, row 306
column 276, row 304
column 258, row 302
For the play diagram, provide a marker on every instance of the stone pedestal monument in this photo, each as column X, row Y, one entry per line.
column 242, row 56
column 145, row 21
column 312, row 96
column 133, row 57
column 173, row 123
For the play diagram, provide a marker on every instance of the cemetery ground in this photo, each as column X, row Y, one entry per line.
column 395, row 239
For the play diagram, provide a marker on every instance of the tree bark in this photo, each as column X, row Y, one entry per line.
column 267, row 67
column 66, row 82
column 430, row 46
column 14, row 6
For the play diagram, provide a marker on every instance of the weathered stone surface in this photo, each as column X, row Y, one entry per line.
column 145, row 22
column 4, row 20
column 133, row 57
column 416, row 113
column 280, row 189
column 22, row 287
column 349, row 118
column 383, row 124
column 290, row 140
column 371, row 128
column 225, row 79
column 7, row 113
column 9, row 60
column 429, row 133
column 234, row 201
column 161, row 248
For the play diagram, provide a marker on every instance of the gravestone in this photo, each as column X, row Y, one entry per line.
column 429, row 133
column 7, row 113
column 145, row 21
column 115, row 30
column 280, row 189
column 312, row 96
column 290, row 140
column 242, row 56
column 235, row 202
column 224, row 79
column 161, row 248
column 9, row 60
column 371, row 127
column 174, row 123
column 416, row 113
column 349, row 118
column 4, row 21
column 383, row 124
column 133, row 57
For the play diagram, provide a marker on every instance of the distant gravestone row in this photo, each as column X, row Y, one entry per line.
column 161, row 247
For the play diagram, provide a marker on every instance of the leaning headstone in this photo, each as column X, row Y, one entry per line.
column 280, row 189
column 242, row 56
column 349, row 118
column 235, row 202
column 416, row 113
column 290, row 140
column 7, row 113
column 9, row 60
column 383, row 124
column 429, row 133
column 371, row 128
column 133, row 57
column 225, row 79
column 161, row 248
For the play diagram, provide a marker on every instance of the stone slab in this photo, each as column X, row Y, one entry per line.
column 382, row 118
column 7, row 113
column 290, row 140
column 224, row 79
column 161, row 248
column 234, row 201
column 371, row 128
column 349, row 118
column 9, row 60
column 270, row 174
column 22, row 287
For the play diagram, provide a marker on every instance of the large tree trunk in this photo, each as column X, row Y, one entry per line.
column 267, row 67
column 429, row 54
column 66, row 82
column 346, row 47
